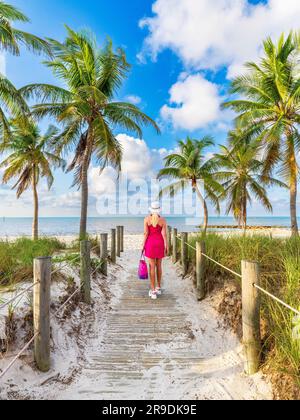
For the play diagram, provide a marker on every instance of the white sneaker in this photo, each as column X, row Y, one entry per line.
column 152, row 294
column 158, row 291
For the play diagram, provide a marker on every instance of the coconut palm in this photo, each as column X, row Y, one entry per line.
column 242, row 178
column 12, row 103
column 11, row 39
column 270, row 110
column 189, row 166
column 29, row 159
column 86, row 106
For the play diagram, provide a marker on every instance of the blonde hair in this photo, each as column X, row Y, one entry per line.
column 154, row 219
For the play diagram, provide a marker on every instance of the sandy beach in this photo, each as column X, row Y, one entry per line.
column 104, row 357
column 275, row 232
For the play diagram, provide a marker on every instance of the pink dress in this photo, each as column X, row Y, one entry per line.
column 155, row 245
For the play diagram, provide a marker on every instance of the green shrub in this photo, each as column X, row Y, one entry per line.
column 280, row 274
column 16, row 257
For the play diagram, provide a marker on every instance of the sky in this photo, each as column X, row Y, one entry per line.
column 183, row 53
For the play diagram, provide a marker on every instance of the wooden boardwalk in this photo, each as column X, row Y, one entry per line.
column 151, row 349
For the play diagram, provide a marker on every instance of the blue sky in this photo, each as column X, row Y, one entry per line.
column 183, row 55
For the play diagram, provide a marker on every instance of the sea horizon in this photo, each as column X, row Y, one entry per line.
column 69, row 225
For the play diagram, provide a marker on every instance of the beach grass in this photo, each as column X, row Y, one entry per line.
column 75, row 244
column 16, row 257
column 280, row 274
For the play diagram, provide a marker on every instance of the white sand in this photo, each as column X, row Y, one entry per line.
column 214, row 369
column 273, row 232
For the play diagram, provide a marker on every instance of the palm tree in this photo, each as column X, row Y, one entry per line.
column 270, row 110
column 11, row 38
column 242, row 177
column 189, row 166
column 30, row 158
column 86, row 106
column 12, row 102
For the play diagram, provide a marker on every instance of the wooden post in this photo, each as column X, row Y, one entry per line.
column 118, row 241
column 200, row 261
column 85, row 271
column 41, row 312
column 103, row 252
column 113, row 246
column 169, row 239
column 184, row 253
column 251, row 316
column 174, row 246
column 122, row 239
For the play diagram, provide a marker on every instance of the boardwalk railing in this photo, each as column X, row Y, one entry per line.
column 251, row 292
column 42, row 274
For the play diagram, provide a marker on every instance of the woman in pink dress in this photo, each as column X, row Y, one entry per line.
column 155, row 246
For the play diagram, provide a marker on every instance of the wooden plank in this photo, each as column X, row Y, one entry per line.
column 41, row 312
column 251, row 316
column 113, row 255
column 85, row 271
column 103, row 252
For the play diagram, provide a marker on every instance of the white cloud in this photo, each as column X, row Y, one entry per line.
column 102, row 182
column 194, row 103
column 139, row 162
column 69, row 200
column 209, row 34
column 134, row 99
column 137, row 158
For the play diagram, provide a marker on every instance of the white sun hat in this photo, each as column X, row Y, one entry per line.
column 155, row 208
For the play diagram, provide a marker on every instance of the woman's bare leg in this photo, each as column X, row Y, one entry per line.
column 152, row 273
column 159, row 272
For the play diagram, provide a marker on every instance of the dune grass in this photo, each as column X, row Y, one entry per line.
column 16, row 257
column 280, row 274
column 94, row 240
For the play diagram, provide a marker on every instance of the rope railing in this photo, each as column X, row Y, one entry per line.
column 17, row 296
column 85, row 285
column 277, row 299
column 7, row 303
column 68, row 300
column 76, row 291
column 99, row 265
column 13, row 361
column 240, row 276
column 255, row 285
column 65, row 265
column 223, row 266
column 250, row 280
column 211, row 259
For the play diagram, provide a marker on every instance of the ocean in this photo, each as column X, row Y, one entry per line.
column 64, row 226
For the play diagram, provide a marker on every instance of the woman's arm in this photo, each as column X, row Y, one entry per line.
column 146, row 232
column 164, row 234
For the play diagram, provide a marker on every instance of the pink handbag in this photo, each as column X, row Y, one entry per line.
column 143, row 268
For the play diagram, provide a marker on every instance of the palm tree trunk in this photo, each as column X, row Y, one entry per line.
column 244, row 213
column 205, row 217
column 35, row 234
column 293, row 207
column 293, row 183
column 205, row 210
column 85, row 189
